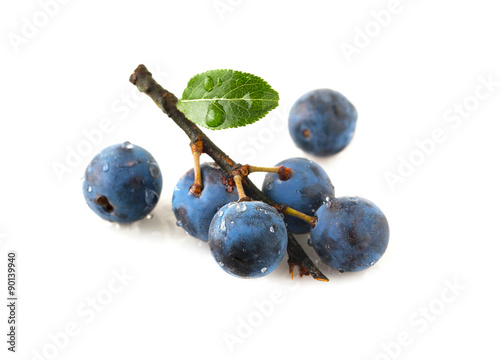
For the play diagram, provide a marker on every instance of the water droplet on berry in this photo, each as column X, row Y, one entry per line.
column 127, row 145
column 328, row 202
column 208, row 83
column 263, row 270
column 272, row 228
column 221, row 263
column 372, row 263
column 89, row 188
column 149, row 216
column 341, row 270
column 215, row 114
column 353, row 198
column 265, row 212
column 241, row 207
column 269, row 185
column 223, row 224
column 230, row 205
column 213, row 165
column 309, row 242
column 151, row 197
column 220, row 213
column 105, row 167
column 178, row 223
column 154, row 170
column 176, row 188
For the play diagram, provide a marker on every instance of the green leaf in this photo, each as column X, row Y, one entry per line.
column 221, row 99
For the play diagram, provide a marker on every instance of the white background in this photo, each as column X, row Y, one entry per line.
column 69, row 70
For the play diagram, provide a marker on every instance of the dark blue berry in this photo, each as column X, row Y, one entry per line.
column 322, row 122
column 122, row 183
column 194, row 213
column 248, row 239
column 352, row 233
column 304, row 191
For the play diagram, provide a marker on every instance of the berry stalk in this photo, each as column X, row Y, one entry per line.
column 167, row 102
column 239, row 186
column 197, row 186
column 312, row 220
column 284, row 173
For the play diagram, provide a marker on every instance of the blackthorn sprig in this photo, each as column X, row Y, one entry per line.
column 167, row 102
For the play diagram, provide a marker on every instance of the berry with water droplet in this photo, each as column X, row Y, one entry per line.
column 119, row 184
column 250, row 243
column 196, row 212
column 304, row 191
